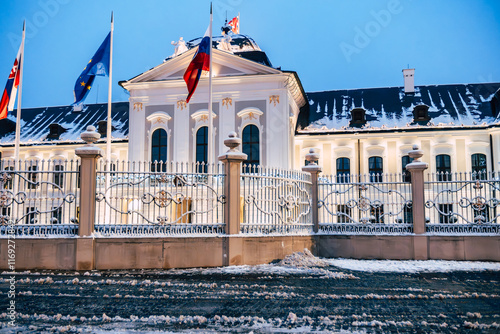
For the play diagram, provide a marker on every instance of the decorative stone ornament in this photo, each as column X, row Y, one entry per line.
column 181, row 104
column 274, row 99
column 138, row 106
column 312, row 156
column 415, row 153
column 232, row 142
column 90, row 136
column 227, row 101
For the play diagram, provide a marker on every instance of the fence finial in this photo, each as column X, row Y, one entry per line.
column 90, row 136
column 416, row 153
column 312, row 156
column 232, row 141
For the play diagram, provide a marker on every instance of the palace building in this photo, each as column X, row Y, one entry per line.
column 354, row 131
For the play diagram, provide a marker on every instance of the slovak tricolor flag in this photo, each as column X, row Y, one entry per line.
column 200, row 63
column 10, row 91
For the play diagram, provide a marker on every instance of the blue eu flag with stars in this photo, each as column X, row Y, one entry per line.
column 97, row 65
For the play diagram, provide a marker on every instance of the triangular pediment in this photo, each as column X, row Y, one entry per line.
column 223, row 64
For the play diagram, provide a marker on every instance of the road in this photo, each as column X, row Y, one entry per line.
column 275, row 298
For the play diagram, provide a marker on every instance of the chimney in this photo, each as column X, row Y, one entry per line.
column 409, row 80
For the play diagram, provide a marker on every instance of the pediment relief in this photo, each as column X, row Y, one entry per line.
column 223, row 64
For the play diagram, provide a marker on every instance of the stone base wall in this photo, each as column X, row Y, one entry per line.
column 410, row 247
column 165, row 253
column 149, row 253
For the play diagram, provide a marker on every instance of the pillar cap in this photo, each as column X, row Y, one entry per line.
column 312, row 156
column 232, row 142
column 416, row 153
column 90, row 136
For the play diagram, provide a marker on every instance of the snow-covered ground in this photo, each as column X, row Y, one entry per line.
column 430, row 266
column 301, row 293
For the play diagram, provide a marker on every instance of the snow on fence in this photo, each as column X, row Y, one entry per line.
column 39, row 198
column 365, row 204
column 156, row 198
column 275, row 201
column 462, row 202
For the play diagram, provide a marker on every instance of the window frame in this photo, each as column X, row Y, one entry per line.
column 376, row 173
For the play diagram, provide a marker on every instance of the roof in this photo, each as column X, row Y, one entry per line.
column 35, row 123
column 390, row 108
column 241, row 45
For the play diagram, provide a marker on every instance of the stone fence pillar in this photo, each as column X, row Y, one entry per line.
column 232, row 160
column 417, row 168
column 88, row 155
column 314, row 170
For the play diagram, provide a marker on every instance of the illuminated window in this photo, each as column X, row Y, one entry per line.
column 343, row 170
column 479, row 166
column 251, row 145
column 375, row 169
column 443, row 167
column 202, row 148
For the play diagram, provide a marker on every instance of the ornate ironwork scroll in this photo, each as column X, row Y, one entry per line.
column 364, row 207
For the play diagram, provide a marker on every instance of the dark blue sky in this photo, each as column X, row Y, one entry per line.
column 331, row 44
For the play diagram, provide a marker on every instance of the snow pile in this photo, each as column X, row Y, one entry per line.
column 303, row 259
column 413, row 266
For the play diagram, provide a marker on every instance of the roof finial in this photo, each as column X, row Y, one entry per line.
column 226, row 28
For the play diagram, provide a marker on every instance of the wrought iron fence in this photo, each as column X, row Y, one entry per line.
column 39, row 198
column 156, row 198
column 365, row 204
column 462, row 203
column 275, row 201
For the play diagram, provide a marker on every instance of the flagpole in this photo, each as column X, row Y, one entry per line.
column 110, row 75
column 19, row 93
column 210, row 120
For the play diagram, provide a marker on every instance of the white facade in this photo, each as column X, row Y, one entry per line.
column 244, row 93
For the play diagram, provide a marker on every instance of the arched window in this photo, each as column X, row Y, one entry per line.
column 343, row 170
column 479, row 166
column 158, row 150
column 443, row 167
column 202, row 145
column 159, row 145
column 251, row 144
column 375, row 169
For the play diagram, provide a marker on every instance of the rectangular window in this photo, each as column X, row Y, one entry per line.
column 9, row 182
column 58, row 175
column 307, row 162
column 408, row 214
column 6, row 212
column 479, row 171
column 443, row 167
column 375, row 168
column 343, row 214
column 31, row 213
column 56, row 215
column 377, row 214
column 32, row 177
column 445, row 211
column 405, row 160
column 343, row 170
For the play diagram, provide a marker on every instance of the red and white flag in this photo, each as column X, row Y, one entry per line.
column 10, row 91
column 235, row 24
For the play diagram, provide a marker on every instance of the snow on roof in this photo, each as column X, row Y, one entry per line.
column 35, row 123
column 390, row 108
column 241, row 45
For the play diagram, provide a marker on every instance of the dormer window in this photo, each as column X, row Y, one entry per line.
column 102, row 128
column 421, row 113
column 55, row 131
column 358, row 117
